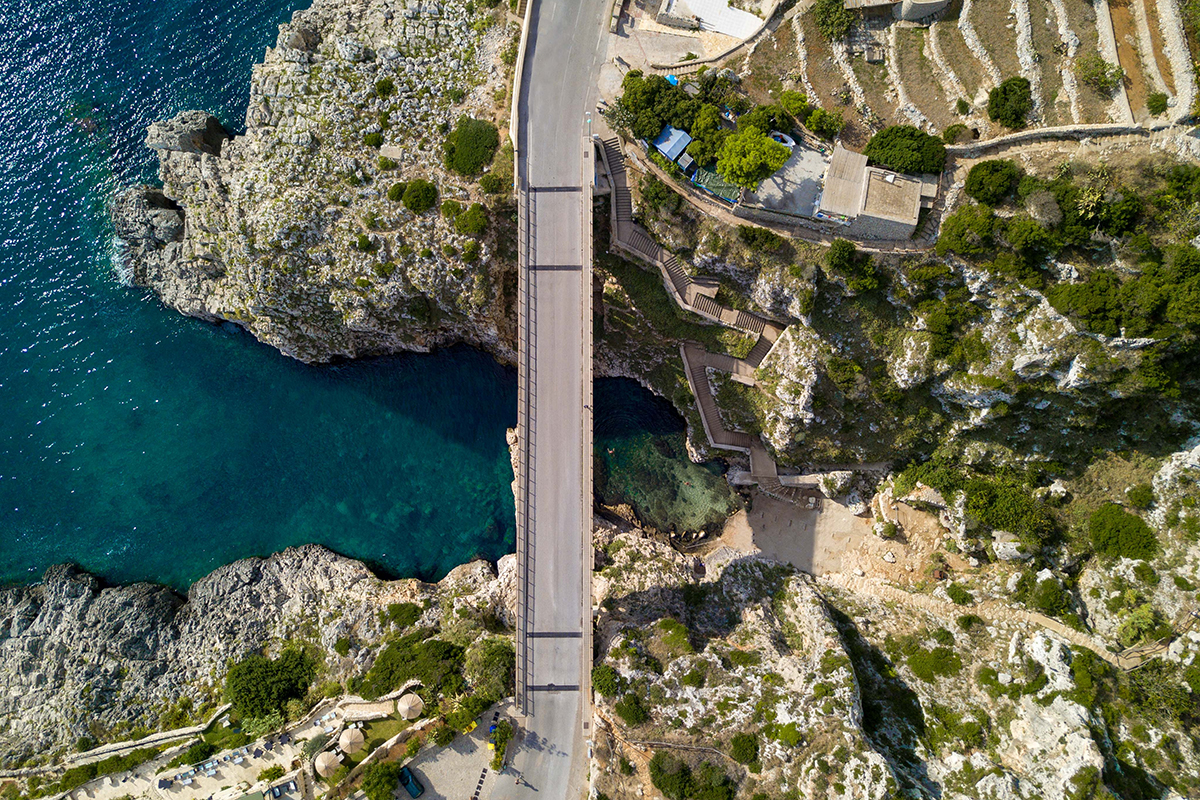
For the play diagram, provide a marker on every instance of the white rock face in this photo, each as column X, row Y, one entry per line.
column 1050, row 745
column 791, row 367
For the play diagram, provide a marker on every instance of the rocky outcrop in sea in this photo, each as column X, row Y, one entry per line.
column 288, row 229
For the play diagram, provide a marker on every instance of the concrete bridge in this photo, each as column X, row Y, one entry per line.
column 563, row 44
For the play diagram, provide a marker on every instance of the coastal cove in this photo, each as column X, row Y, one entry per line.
column 144, row 445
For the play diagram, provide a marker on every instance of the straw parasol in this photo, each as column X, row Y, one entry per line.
column 327, row 764
column 350, row 740
column 410, row 706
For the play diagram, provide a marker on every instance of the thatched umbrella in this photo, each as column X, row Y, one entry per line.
column 410, row 706
column 327, row 764
column 351, row 740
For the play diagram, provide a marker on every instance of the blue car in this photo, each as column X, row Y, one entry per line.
column 410, row 783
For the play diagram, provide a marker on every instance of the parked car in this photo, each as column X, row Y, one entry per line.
column 410, row 783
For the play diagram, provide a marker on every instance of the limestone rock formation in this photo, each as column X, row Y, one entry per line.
column 288, row 229
column 79, row 658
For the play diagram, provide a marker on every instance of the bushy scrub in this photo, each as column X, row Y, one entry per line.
column 657, row 196
column 258, row 685
column 833, row 20
column 607, row 681
column 743, row 748
column 380, row 780
column 471, row 145
column 1117, row 533
column 845, row 261
column 824, row 123
column 1156, row 103
column 796, row 104
column 677, row 781
column 928, row 665
column 437, row 664
column 473, row 221
column 419, row 196
column 959, row 595
column 396, row 192
column 373, row 139
column 1093, row 70
column 968, row 231
column 1011, row 102
column 904, row 148
column 1141, row 495
column 631, row 710
column 991, row 182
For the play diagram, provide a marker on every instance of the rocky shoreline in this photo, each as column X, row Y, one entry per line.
column 82, row 659
column 292, row 229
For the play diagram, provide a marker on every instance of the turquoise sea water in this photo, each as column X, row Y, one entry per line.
column 145, row 445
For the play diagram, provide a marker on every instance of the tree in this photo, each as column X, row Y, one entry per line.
column 257, row 686
column 1010, row 102
column 380, row 780
column 750, row 156
column 606, row 680
column 796, row 104
column 833, row 20
column 904, row 148
column 826, row 124
column 396, row 192
column 708, row 134
column 471, row 145
column 991, row 182
column 967, row 231
column 420, row 195
column 743, row 748
column 1115, row 532
column 1092, row 69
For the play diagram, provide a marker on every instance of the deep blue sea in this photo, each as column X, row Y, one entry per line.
column 145, row 445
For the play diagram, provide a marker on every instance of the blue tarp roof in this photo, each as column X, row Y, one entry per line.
column 671, row 142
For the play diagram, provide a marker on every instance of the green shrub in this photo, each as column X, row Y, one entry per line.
column 380, row 780
column 833, row 20
column 607, row 681
column 342, row 646
column 928, row 664
column 197, row 752
column 991, row 182
column 363, row 243
column 962, row 107
column 968, row 231
column 503, row 735
column 943, row 636
column 396, row 192
column 1141, row 495
column 630, row 709
column 473, row 221
column 386, row 163
column 1010, row 102
column 745, row 658
column 694, row 677
column 969, row 622
column 373, row 139
column 1117, row 533
column 271, row 773
column 403, row 614
column 444, row 735
column 953, row 133
column 904, row 148
column 676, row 781
column 419, row 196
column 471, row 145
column 451, row 209
column 385, row 87
column 257, row 686
column 437, row 664
column 656, row 195
column 470, row 251
column 826, row 124
column 1050, row 598
column 796, row 104
column 1092, row 69
column 491, row 183
column 743, row 748
column 959, row 595
column 1156, row 103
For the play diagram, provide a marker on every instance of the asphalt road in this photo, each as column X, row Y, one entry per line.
column 562, row 59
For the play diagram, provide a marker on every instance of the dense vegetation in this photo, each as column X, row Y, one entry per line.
column 1102, row 76
column 834, row 21
column 677, row 781
column 380, row 780
column 904, row 148
column 471, row 145
column 437, row 664
column 991, row 182
column 1011, row 102
column 419, row 195
column 1115, row 532
column 258, row 686
column 750, row 156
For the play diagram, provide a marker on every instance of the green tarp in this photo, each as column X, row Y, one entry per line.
column 714, row 183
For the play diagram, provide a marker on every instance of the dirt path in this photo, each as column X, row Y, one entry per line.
column 988, row 609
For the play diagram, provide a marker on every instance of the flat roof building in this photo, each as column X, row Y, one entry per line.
column 873, row 203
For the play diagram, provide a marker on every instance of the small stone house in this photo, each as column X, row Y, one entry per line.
column 873, row 203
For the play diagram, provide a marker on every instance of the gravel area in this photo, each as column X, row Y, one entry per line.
column 1181, row 60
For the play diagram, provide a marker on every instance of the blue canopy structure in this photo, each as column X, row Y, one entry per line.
column 672, row 142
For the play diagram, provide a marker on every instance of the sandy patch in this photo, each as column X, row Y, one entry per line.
column 813, row 541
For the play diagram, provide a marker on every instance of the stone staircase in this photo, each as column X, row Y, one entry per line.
column 760, row 350
column 697, row 376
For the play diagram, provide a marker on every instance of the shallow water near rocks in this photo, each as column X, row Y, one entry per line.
column 147, row 446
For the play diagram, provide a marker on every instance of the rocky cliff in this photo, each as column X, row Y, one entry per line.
column 78, row 658
column 288, row 229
